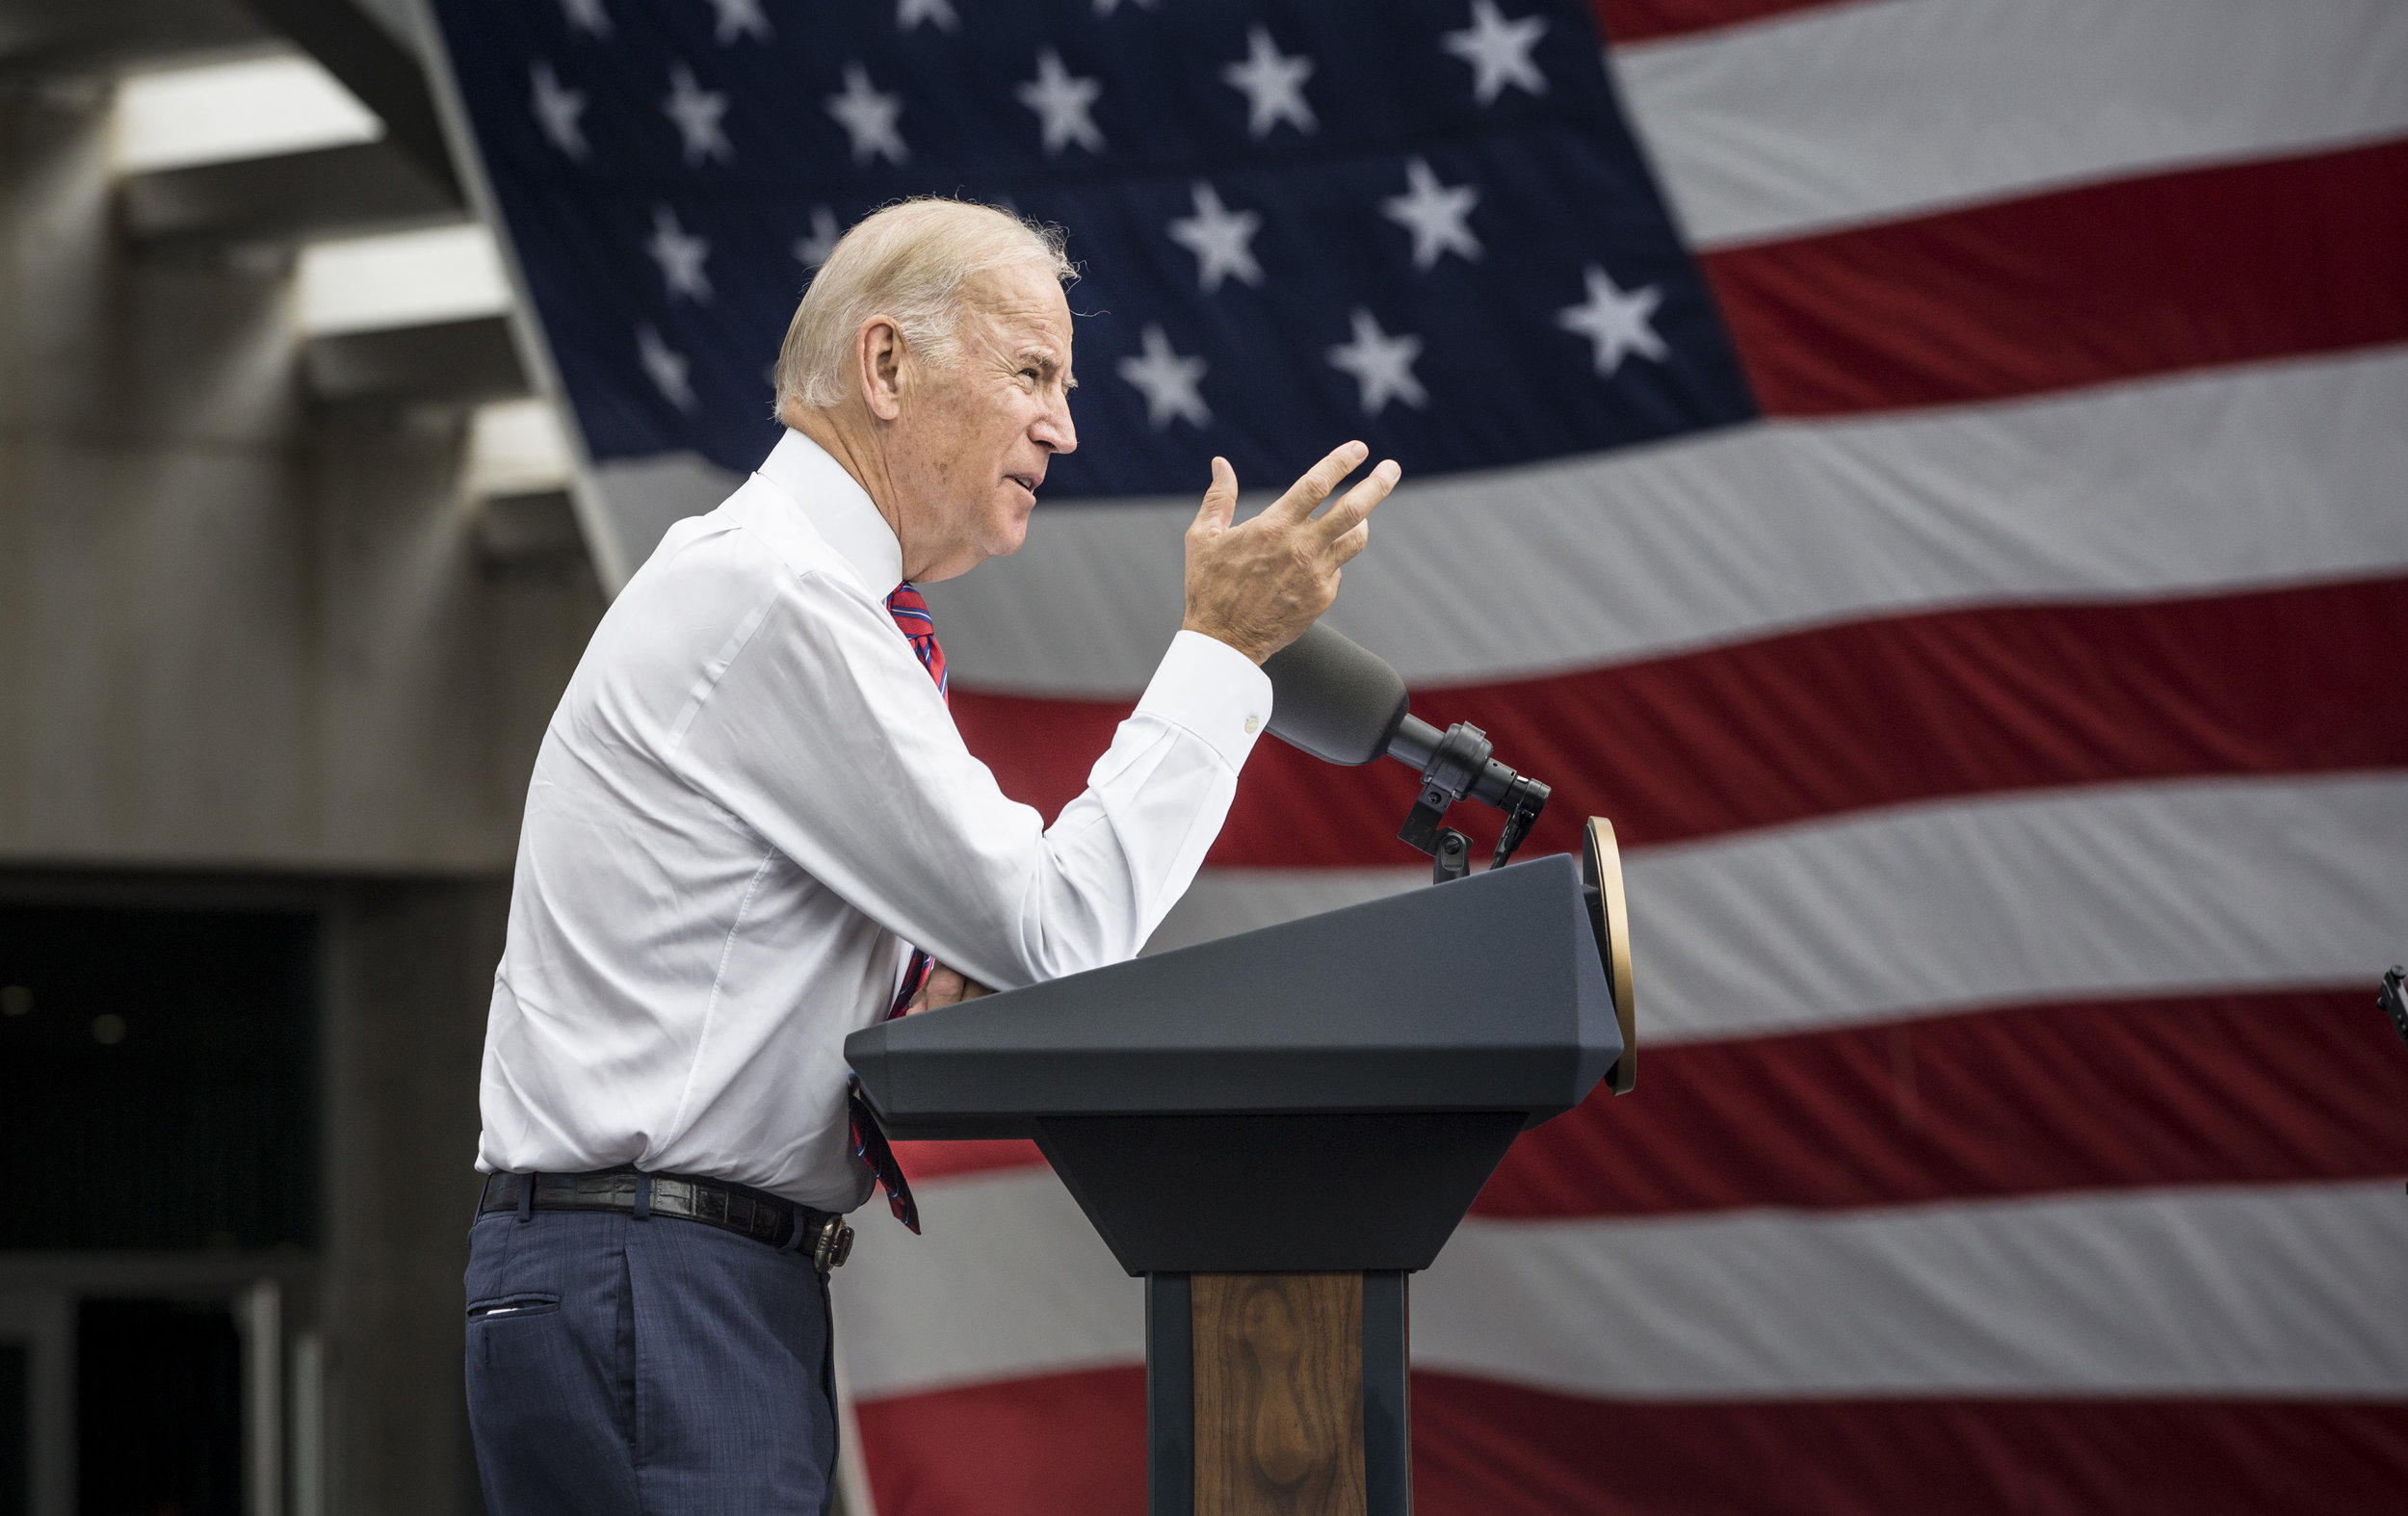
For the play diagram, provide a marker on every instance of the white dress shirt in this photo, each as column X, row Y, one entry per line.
column 750, row 805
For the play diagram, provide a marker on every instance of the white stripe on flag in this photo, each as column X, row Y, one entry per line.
column 2253, row 477
column 1858, row 113
column 2214, row 885
column 1006, row 1280
column 2106, row 890
column 2256, row 1292
column 2288, row 1291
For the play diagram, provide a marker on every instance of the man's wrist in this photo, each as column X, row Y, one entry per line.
column 1228, row 638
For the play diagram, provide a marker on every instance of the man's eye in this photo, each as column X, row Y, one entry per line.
column 1031, row 375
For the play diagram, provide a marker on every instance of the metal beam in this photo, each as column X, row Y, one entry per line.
column 47, row 38
column 461, row 361
column 386, row 76
column 286, row 197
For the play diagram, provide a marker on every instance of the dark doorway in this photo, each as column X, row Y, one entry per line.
column 158, row 1409
column 155, row 1078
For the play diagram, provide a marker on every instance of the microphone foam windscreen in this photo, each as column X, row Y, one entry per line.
column 1333, row 699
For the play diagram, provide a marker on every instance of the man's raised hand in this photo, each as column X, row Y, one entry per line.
column 1257, row 587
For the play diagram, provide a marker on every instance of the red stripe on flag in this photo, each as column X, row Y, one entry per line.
column 2200, row 1089
column 1039, row 1447
column 2197, row 1089
column 1636, row 20
column 1489, row 1450
column 1837, row 719
column 2110, row 281
column 1076, row 1442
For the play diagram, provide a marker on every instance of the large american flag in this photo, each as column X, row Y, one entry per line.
column 1935, row 472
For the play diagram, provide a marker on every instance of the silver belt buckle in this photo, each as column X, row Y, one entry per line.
column 833, row 1245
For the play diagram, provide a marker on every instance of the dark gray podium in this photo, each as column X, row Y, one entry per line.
column 1275, row 1128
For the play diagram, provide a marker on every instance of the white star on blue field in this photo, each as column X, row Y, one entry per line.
column 1422, row 222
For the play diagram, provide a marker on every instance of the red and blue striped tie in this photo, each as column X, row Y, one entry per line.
column 910, row 610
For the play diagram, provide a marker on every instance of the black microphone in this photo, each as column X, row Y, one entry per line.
column 1344, row 704
column 1335, row 699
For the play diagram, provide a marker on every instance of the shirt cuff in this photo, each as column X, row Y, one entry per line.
column 1209, row 688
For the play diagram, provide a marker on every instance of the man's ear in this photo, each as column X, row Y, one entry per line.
column 878, row 356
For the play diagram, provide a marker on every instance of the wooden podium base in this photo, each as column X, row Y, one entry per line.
column 1276, row 1395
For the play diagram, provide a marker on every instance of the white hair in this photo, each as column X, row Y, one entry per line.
column 912, row 261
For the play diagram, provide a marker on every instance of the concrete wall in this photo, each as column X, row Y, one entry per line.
column 410, row 967
column 240, row 638
column 234, row 631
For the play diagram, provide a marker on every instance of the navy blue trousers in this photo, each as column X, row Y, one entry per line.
column 652, row 1368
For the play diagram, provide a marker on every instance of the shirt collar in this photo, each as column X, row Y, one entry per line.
column 834, row 503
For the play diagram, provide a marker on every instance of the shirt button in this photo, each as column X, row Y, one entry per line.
column 1253, row 724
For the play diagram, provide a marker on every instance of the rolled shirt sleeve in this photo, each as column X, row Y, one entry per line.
column 827, row 737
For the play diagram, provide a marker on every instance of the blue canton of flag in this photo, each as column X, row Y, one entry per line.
column 1422, row 222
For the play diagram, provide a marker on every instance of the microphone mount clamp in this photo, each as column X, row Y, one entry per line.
column 1454, row 765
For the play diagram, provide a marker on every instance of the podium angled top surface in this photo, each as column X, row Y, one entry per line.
column 1485, row 994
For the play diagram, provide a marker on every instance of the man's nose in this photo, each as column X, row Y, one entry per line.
column 1055, row 428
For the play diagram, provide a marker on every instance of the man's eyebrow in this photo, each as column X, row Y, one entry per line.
column 1044, row 362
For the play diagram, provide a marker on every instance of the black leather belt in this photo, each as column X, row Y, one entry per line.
column 714, row 1202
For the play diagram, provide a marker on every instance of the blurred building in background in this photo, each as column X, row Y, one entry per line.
column 289, row 583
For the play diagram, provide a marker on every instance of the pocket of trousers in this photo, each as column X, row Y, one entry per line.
column 509, row 1307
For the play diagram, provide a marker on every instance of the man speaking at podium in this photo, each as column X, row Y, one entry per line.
column 754, row 829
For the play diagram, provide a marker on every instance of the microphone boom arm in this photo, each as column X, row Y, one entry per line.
column 1455, row 764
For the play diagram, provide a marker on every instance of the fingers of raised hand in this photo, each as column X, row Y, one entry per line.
column 1220, row 500
column 1344, row 548
column 1356, row 504
column 1319, row 481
